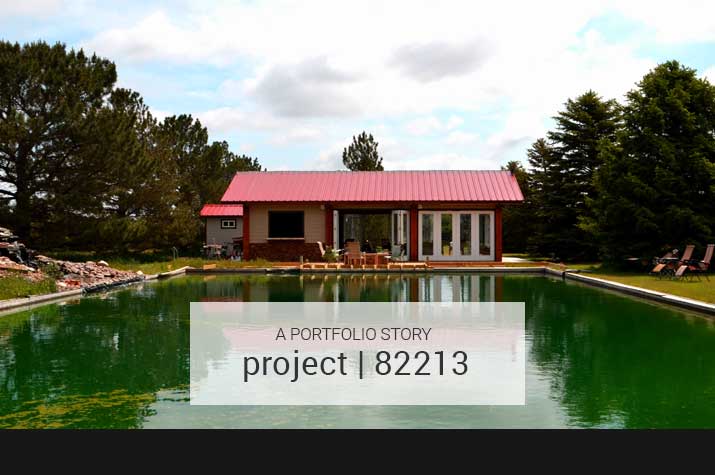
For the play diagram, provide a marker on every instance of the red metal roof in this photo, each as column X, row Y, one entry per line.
column 347, row 186
column 222, row 210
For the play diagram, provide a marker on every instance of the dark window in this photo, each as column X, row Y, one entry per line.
column 228, row 224
column 285, row 224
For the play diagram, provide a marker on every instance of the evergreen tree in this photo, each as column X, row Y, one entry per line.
column 49, row 99
column 518, row 219
column 362, row 154
column 657, row 185
column 85, row 165
column 543, row 186
column 565, row 168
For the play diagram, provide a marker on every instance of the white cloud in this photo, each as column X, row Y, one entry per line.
column 709, row 74
column 231, row 119
column 423, row 126
column 311, row 88
column 314, row 70
column 454, row 121
column 29, row 7
column 160, row 114
column 691, row 21
column 430, row 124
column 426, row 62
column 296, row 135
column 439, row 161
column 459, row 137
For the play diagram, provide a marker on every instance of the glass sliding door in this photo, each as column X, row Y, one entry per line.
column 400, row 235
column 427, row 235
column 446, row 234
column 465, row 234
column 485, row 234
column 456, row 235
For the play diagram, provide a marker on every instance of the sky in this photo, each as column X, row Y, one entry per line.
column 440, row 84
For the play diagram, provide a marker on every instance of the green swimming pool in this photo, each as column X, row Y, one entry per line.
column 121, row 360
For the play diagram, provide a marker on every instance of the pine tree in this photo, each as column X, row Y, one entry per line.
column 543, row 193
column 657, row 185
column 564, row 168
column 85, row 165
column 362, row 154
column 49, row 99
column 518, row 219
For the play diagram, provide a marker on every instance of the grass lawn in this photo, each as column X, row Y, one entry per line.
column 702, row 290
column 169, row 264
column 14, row 286
column 693, row 289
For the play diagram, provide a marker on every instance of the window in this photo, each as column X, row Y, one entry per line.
column 285, row 224
column 228, row 224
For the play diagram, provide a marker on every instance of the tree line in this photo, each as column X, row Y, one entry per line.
column 612, row 180
column 85, row 165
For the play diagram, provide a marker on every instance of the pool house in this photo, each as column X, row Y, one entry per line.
column 414, row 215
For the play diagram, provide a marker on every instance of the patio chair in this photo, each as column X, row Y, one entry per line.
column 694, row 268
column 669, row 264
column 322, row 265
column 398, row 254
column 353, row 254
column 687, row 254
column 660, row 263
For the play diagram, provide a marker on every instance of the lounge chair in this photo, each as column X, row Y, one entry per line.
column 694, row 268
column 661, row 263
column 668, row 264
column 687, row 254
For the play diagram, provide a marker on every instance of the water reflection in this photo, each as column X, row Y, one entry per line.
column 596, row 359
column 363, row 288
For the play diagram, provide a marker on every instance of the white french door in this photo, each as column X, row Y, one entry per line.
column 456, row 235
column 336, row 229
column 400, row 233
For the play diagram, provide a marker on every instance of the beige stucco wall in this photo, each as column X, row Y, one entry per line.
column 314, row 225
column 216, row 235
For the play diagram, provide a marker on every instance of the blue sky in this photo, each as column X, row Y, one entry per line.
column 439, row 84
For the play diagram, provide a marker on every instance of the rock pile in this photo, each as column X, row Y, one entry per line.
column 7, row 264
column 90, row 276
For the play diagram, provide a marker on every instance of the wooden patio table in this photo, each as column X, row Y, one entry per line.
column 376, row 258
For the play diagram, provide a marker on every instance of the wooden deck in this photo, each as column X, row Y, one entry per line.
column 420, row 265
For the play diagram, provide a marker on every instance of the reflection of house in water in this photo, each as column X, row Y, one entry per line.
column 362, row 288
column 459, row 288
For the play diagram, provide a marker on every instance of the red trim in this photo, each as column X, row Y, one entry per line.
column 328, row 226
column 497, row 235
column 246, row 233
column 413, row 233
column 217, row 210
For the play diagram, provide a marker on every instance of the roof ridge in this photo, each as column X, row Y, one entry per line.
column 483, row 170
column 397, row 185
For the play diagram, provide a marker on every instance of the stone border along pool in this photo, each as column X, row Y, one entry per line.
column 669, row 299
